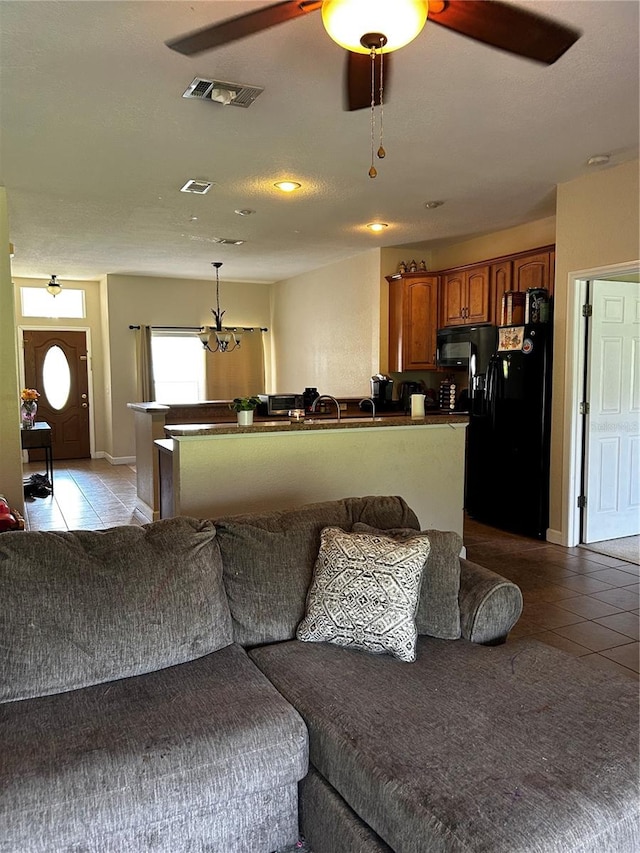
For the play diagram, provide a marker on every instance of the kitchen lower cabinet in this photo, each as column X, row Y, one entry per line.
column 413, row 321
column 465, row 296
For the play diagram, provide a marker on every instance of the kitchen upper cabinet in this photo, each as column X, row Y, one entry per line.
column 465, row 296
column 533, row 271
column 501, row 278
column 520, row 272
column 413, row 321
column 473, row 294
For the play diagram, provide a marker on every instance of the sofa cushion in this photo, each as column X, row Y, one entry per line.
column 268, row 559
column 438, row 609
column 90, row 606
column 119, row 766
column 364, row 592
column 518, row 747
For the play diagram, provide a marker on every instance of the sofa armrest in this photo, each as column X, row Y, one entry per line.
column 490, row 605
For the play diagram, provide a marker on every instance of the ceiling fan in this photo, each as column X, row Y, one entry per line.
column 501, row 25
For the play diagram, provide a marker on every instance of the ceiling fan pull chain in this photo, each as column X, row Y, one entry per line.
column 373, row 171
column 381, row 151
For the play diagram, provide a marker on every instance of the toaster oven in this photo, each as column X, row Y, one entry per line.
column 279, row 404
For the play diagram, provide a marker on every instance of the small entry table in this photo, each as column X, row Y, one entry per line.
column 39, row 438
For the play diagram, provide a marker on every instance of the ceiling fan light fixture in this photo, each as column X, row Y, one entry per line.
column 348, row 21
column 377, row 226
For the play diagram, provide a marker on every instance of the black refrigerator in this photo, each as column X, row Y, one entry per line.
column 507, row 470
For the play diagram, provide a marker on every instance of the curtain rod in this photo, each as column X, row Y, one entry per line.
column 201, row 328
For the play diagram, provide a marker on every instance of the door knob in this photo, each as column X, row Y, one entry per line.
column 85, row 405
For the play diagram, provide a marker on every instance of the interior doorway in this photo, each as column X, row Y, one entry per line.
column 56, row 364
column 579, row 361
column 612, row 430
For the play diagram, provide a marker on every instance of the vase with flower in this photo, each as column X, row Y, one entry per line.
column 28, row 407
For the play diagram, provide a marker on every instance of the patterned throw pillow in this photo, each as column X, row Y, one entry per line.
column 438, row 609
column 365, row 592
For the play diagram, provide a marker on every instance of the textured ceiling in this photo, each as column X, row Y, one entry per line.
column 96, row 140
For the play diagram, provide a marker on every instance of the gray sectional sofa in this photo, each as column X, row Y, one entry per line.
column 154, row 697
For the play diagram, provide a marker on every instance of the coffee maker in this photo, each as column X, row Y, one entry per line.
column 382, row 391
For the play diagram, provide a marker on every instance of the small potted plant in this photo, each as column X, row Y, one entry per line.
column 245, row 407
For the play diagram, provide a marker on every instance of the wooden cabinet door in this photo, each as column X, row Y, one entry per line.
column 413, row 322
column 421, row 320
column 532, row 271
column 454, row 299
column 501, row 274
column 477, row 303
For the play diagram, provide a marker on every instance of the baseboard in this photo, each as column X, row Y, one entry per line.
column 555, row 537
column 144, row 509
column 120, row 460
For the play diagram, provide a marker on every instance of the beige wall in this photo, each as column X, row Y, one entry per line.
column 598, row 225
column 326, row 328
column 142, row 300
column 279, row 470
column 542, row 232
column 10, row 450
column 93, row 323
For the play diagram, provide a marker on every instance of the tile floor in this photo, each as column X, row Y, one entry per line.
column 574, row 599
column 579, row 601
column 88, row 494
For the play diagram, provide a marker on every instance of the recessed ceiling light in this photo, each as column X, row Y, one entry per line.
column 194, row 186
column 431, row 205
column 287, row 186
column 377, row 226
column 245, row 211
column 599, row 160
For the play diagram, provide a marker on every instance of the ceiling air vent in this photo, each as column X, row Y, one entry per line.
column 230, row 94
column 227, row 241
column 199, row 187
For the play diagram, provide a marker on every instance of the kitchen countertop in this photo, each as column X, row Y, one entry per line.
column 319, row 423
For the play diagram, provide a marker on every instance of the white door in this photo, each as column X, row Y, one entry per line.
column 613, row 425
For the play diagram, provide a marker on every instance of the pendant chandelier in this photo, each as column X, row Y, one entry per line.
column 226, row 340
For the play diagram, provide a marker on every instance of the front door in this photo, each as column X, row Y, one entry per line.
column 55, row 364
column 613, row 442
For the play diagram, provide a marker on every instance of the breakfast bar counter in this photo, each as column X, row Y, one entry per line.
column 283, row 425
column 210, row 470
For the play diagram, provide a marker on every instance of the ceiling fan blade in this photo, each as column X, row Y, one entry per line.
column 507, row 27
column 241, row 26
column 359, row 80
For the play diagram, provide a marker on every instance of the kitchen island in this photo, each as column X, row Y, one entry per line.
column 209, row 470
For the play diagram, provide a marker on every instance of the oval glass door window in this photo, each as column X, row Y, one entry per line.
column 56, row 377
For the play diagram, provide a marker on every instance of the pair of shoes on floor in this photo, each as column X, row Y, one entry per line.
column 37, row 486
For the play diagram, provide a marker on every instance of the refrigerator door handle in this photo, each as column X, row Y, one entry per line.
column 492, row 379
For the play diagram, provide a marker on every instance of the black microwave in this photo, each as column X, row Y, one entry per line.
column 457, row 344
